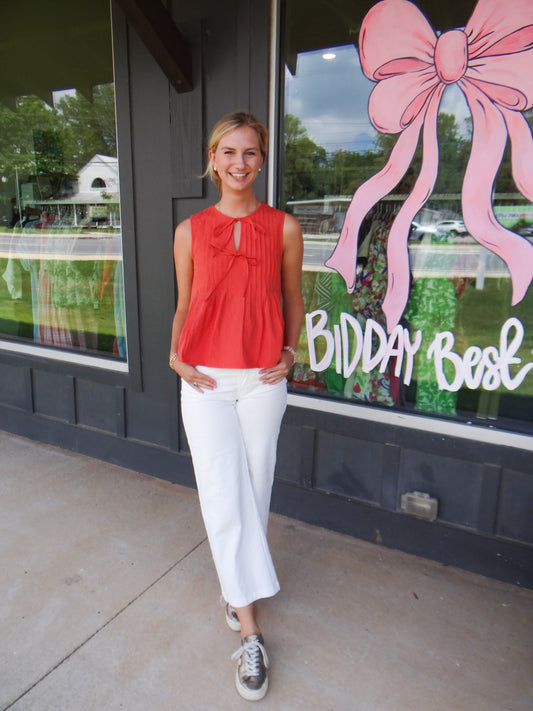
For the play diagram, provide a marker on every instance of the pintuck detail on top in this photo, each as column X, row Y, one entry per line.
column 235, row 318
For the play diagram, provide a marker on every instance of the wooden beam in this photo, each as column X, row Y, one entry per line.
column 156, row 28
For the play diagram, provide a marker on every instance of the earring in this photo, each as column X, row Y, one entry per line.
column 260, row 169
column 215, row 168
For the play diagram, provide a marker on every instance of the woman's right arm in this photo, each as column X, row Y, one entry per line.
column 184, row 273
column 184, row 270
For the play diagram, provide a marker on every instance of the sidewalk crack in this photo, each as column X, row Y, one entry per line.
column 184, row 557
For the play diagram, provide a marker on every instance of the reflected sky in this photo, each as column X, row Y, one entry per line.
column 330, row 97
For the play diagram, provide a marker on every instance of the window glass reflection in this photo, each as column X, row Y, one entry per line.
column 60, row 232
column 459, row 301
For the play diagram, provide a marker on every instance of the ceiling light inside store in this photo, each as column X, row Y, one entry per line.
column 329, row 56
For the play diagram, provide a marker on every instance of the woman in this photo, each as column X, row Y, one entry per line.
column 234, row 338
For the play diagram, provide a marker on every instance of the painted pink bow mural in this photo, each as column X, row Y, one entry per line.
column 491, row 60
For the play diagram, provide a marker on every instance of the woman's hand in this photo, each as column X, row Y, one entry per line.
column 271, row 376
column 197, row 380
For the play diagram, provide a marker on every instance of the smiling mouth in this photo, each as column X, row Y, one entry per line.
column 238, row 175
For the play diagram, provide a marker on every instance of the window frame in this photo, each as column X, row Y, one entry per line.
column 100, row 367
column 490, row 434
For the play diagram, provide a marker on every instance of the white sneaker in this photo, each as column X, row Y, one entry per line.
column 232, row 619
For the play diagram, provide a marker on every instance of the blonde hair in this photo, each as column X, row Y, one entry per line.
column 229, row 123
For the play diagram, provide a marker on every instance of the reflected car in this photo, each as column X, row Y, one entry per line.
column 451, row 227
column 526, row 232
column 418, row 231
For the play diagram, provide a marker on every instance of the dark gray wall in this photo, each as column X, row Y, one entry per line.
column 342, row 473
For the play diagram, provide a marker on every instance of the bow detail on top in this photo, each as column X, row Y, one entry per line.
column 223, row 242
column 491, row 61
column 223, row 239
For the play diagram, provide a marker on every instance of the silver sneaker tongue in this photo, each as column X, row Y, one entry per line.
column 252, row 649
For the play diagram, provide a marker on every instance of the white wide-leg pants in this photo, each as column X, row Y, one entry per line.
column 233, row 432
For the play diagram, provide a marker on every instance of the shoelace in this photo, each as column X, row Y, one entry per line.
column 251, row 651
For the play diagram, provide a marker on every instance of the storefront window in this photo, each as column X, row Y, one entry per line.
column 417, row 298
column 61, row 273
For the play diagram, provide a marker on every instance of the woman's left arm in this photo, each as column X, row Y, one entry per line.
column 292, row 300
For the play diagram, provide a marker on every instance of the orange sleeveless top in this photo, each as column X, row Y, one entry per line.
column 235, row 318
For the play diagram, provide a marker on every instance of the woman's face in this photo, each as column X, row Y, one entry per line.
column 237, row 159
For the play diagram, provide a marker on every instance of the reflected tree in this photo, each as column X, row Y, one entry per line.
column 311, row 173
column 306, row 166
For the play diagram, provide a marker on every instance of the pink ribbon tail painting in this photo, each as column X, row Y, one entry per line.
column 491, row 61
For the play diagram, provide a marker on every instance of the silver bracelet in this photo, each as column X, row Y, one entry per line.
column 292, row 352
column 172, row 360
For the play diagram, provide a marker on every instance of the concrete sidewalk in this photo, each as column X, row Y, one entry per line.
column 109, row 600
